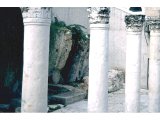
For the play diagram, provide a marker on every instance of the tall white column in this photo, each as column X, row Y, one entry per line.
column 36, row 52
column 98, row 59
column 154, row 65
column 134, row 24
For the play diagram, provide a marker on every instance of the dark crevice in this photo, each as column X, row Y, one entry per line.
column 69, row 62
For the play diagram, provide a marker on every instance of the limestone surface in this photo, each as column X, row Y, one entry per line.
column 60, row 48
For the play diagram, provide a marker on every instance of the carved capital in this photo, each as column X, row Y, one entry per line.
column 153, row 23
column 98, row 15
column 134, row 22
column 36, row 15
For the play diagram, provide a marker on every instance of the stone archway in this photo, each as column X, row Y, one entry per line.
column 11, row 53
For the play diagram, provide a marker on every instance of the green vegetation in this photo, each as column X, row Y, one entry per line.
column 77, row 30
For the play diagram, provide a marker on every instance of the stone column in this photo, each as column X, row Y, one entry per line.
column 98, row 59
column 36, row 52
column 134, row 24
column 154, row 65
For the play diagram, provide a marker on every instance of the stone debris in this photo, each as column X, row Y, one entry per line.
column 54, row 107
column 84, row 86
column 116, row 80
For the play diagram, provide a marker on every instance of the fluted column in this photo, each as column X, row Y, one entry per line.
column 98, row 59
column 154, row 65
column 36, row 52
column 134, row 24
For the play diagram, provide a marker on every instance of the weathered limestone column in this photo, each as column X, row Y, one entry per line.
column 36, row 52
column 98, row 59
column 154, row 65
column 134, row 24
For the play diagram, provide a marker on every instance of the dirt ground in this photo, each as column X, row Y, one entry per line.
column 116, row 103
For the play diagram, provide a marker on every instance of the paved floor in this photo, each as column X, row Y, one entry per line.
column 115, row 101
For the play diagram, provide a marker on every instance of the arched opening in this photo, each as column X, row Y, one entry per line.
column 11, row 53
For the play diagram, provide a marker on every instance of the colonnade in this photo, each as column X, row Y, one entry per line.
column 36, row 50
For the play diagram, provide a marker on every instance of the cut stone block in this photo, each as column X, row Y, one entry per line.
column 68, row 97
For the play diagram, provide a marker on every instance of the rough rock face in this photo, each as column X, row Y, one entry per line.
column 116, row 80
column 60, row 48
column 68, row 58
column 77, row 64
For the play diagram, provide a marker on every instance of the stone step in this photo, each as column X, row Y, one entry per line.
column 68, row 97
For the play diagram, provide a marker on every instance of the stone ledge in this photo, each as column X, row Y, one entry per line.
column 68, row 97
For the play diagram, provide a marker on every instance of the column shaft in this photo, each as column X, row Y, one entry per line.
column 35, row 69
column 98, row 68
column 133, row 62
column 98, row 60
column 154, row 71
column 133, row 70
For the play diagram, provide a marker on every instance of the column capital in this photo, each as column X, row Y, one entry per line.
column 134, row 23
column 154, row 23
column 98, row 15
column 36, row 15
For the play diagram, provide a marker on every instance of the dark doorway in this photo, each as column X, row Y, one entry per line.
column 11, row 53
